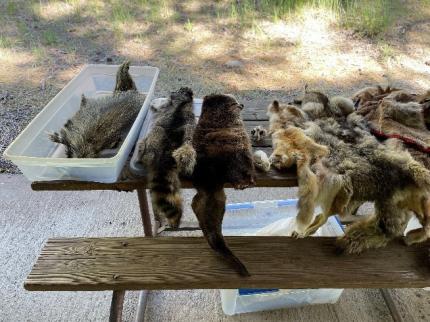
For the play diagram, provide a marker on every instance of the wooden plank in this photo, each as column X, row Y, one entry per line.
column 130, row 182
column 273, row 178
column 255, row 110
column 94, row 264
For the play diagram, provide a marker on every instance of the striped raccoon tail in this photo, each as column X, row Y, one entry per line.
column 166, row 197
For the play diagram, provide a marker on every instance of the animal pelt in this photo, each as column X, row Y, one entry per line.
column 167, row 151
column 102, row 122
column 357, row 169
column 223, row 147
column 399, row 115
column 283, row 115
column 293, row 147
column 316, row 104
column 223, row 157
column 371, row 95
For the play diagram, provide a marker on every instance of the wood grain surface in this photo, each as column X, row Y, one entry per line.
column 93, row 264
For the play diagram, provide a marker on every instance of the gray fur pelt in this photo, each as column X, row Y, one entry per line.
column 357, row 169
column 102, row 122
column 167, row 151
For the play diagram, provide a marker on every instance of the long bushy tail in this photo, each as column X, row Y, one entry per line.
column 308, row 192
column 166, row 197
column 209, row 207
column 124, row 82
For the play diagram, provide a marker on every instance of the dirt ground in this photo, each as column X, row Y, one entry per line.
column 43, row 44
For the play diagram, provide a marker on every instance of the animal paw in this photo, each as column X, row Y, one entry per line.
column 261, row 160
column 295, row 234
column 185, row 157
column 258, row 133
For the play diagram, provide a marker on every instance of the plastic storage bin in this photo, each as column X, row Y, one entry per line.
column 135, row 166
column 40, row 159
column 271, row 218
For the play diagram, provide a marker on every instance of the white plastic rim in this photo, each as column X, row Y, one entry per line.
column 90, row 78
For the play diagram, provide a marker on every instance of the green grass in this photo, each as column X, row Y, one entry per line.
column 368, row 17
column 121, row 13
column 11, row 8
column 188, row 25
column 386, row 51
column 49, row 38
column 5, row 42
column 39, row 54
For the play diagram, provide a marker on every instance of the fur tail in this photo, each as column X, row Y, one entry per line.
column 166, row 197
column 308, row 191
column 341, row 105
column 420, row 174
column 124, row 82
column 209, row 206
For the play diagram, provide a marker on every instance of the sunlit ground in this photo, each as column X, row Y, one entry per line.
column 44, row 43
column 256, row 52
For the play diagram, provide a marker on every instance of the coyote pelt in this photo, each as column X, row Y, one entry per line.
column 166, row 152
column 102, row 122
column 291, row 146
column 223, row 157
column 357, row 169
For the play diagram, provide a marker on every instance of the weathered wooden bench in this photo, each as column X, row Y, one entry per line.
column 173, row 263
column 120, row 264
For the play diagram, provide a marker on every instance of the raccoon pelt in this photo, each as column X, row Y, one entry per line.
column 358, row 169
column 223, row 157
column 101, row 123
column 167, row 151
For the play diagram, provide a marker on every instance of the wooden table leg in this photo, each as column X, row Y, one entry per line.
column 147, row 229
column 395, row 314
column 116, row 306
column 144, row 212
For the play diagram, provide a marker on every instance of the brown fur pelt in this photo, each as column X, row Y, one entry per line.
column 357, row 169
column 167, row 151
column 293, row 147
column 223, row 157
column 101, row 123
column 401, row 115
column 371, row 95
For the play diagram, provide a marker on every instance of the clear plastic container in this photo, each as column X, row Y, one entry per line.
column 40, row 159
column 274, row 217
column 135, row 166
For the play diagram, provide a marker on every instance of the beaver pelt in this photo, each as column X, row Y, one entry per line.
column 101, row 123
column 167, row 152
column 223, row 157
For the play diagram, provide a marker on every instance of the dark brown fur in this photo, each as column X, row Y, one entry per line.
column 223, row 157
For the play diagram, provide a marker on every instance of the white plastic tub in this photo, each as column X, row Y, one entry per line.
column 39, row 158
column 274, row 217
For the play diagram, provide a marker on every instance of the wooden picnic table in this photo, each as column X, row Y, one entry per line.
column 253, row 116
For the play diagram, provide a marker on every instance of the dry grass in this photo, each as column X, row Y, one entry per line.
column 282, row 44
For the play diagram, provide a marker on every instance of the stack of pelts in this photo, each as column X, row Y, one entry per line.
column 167, row 151
column 102, row 123
column 341, row 165
column 223, row 157
column 215, row 152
